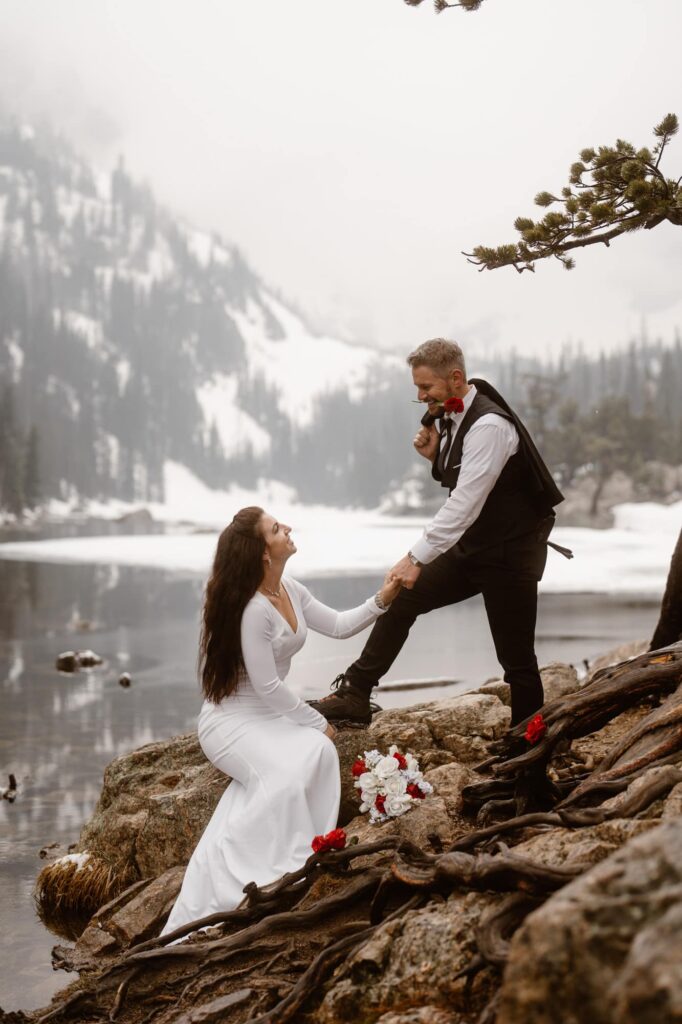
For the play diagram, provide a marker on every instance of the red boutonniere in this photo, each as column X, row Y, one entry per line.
column 359, row 768
column 536, row 729
column 334, row 840
column 453, row 405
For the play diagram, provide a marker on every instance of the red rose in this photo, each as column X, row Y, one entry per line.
column 379, row 803
column 453, row 405
column 415, row 792
column 359, row 768
column 402, row 763
column 334, row 840
column 536, row 729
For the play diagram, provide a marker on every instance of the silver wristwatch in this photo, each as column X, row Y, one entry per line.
column 415, row 560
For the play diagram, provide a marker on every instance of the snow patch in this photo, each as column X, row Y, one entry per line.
column 123, row 374
column 159, row 260
column 237, row 430
column 333, row 542
column 85, row 327
column 200, row 245
column 303, row 367
column 16, row 354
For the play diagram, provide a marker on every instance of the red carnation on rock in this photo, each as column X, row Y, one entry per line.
column 453, row 405
column 379, row 803
column 415, row 792
column 536, row 729
column 334, row 840
column 359, row 768
column 402, row 763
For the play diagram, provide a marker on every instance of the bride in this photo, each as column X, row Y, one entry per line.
column 277, row 750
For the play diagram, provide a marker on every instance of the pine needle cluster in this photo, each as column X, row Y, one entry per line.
column 611, row 191
column 442, row 5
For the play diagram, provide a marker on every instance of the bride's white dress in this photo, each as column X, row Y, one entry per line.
column 285, row 785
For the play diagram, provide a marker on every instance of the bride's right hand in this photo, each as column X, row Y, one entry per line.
column 390, row 588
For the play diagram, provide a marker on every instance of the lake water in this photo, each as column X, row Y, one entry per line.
column 58, row 732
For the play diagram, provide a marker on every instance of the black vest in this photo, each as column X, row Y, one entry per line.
column 524, row 493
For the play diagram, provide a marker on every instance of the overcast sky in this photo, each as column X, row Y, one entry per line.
column 353, row 148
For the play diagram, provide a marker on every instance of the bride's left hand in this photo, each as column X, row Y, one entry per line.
column 390, row 589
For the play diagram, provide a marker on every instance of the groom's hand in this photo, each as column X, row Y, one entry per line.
column 406, row 572
column 426, row 442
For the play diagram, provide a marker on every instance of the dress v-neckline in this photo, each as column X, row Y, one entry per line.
column 278, row 612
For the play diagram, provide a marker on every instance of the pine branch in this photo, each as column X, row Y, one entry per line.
column 611, row 191
column 443, row 5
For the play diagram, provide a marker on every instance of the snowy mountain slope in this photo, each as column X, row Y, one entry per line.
column 130, row 338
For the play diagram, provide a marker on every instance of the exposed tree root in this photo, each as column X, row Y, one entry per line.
column 272, row 957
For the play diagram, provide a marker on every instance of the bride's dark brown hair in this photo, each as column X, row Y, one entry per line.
column 236, row 575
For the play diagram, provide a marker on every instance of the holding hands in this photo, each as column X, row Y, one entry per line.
column 390, row 588
column 406, row 572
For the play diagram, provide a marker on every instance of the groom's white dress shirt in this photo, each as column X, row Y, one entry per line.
column 490, row 442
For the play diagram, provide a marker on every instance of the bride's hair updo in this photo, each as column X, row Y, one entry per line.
column 236, row 575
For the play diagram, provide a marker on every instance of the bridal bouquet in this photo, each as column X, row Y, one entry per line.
column 389, row 784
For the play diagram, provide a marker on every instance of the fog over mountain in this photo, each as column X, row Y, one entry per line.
column 129, row 339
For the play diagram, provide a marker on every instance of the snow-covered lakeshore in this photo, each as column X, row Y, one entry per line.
column 632, row 558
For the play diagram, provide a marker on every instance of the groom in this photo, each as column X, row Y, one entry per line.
column 489, row 538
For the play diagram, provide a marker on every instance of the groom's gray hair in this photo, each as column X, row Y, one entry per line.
column 440, row 355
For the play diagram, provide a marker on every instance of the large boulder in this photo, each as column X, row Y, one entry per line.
column 607, row 948
column 412, row 962
column 136, row 915
column 558, row 679
column 455, row 729
column 154, row 805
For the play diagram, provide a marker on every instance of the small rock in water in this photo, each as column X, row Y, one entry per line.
column 124, row 679
column 72, row 661
column 88, row 659
column 52, row 850
column 9, row 793
column 68, row 661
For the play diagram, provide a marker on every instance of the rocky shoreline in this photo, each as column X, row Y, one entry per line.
column 549, row 922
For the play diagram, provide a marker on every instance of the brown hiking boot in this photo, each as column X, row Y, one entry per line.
column 349, row 703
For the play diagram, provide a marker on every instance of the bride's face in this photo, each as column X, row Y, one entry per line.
column 277, row 535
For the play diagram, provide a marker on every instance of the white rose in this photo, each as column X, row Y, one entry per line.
column 395, row 784
column 412, row 763
column 368, row 783
column 397, row 805
column 386, row 767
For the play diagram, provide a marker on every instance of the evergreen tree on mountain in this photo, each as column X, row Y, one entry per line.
column 31, row 476
column 11, row 456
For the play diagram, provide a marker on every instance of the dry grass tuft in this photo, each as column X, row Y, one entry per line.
column 71, row 889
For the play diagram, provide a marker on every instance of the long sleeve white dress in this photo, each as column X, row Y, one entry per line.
column 285, row 785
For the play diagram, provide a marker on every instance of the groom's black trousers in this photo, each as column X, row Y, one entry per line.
column 507, row 576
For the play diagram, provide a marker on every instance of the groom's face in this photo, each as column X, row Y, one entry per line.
column 430, row 387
